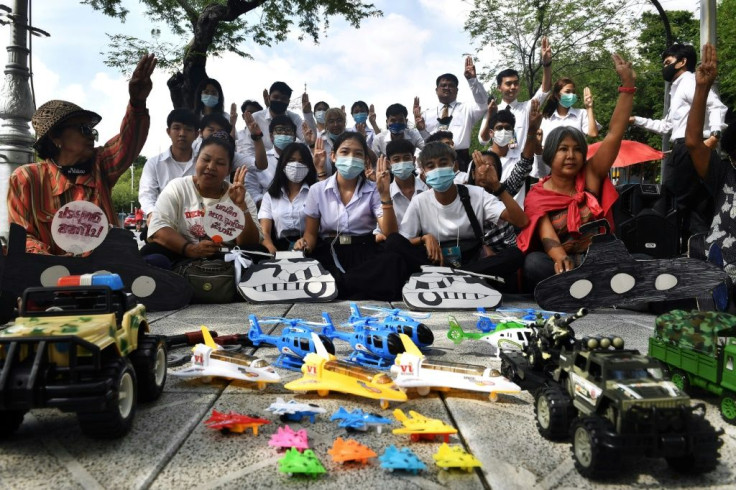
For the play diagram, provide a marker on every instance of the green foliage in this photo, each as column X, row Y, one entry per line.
column 122, row 193
column 727, row 51
column 575, row 29
column 224, row 25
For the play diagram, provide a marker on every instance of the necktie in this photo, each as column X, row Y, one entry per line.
column 445, row 111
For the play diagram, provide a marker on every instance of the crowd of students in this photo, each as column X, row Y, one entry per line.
column 372, row 205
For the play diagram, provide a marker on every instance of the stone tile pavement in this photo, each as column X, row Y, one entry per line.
column 170, row 448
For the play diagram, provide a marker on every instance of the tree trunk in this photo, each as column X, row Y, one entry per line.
column 182, row 86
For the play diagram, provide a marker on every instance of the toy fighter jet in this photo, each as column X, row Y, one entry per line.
column 359, row 420
column 344, row 451
column 448, row 457
column 294, row 411
column 305, row 463
column 402, row 459
column 286, row 438
column 421, row 428
column 210, row 359
column 234, row 422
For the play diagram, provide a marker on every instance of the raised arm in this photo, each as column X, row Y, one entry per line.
column 705, row 75
column 592, row 129
column 599, row 165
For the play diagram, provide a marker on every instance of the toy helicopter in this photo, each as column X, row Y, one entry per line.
column 344, row 451
column 286, row 438
column 395, row 320
column 294, row 343
column 372, row 346
column 294, row 411
column 421, row 428
column 301, row 463
column 359, row 420
column 488, row 321
column 234, row 422
column 448, row 457
column 323, row 372
column 401, row 459
column 505, row 336
column 529, row 315
column 413, row 370
column 210, row 359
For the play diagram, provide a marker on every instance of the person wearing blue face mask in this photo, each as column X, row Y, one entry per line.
column 396, row 129
column 365, row 121
column 282, row 132
column 208, row 99
column 449, row 221
column 335, row 126
column 406, row 185
column 341, row 214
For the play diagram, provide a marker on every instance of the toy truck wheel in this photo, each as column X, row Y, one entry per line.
column 423, row 390
column 116, row 419
column 592, row 459
column 10, row 420
column 553, row 410
column 680, row 379
column 704, row 452
column 728, row 407
column 149, row 362
column 508, row 370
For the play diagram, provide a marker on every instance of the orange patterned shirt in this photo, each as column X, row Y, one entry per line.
column 38, row 190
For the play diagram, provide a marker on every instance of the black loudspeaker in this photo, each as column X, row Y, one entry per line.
column 647, row 220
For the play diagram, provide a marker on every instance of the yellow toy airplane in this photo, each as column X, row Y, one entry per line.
column 323, row 373
column 420, row 427
column 448, row 457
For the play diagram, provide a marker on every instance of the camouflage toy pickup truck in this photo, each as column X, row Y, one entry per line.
column 612, row 402
column 82, row 347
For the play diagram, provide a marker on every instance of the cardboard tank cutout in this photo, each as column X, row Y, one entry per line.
column 443, row 288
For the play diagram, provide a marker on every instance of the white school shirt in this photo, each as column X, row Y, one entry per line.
column 263, row 118
column 520, row 110
column 258, row 182
column 359, row 217
column 464, row 116
column 181, row 208
column 369, row 134
column 157, row 173
column 384, row 137
column 401, row 202
column 682, row 91
column 286, row 215
column 507, row 166
column 449, row 223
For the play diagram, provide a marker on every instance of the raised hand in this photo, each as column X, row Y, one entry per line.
column 308, row 134
column 372, row 115
column 492, row 108
column 320, row 156
column 418, row 119
column 233, row 113
column 469, row 68
column 360, row 127
column 306, row 105
column 266, row 97
column 535, row 116
column 626, row 73
column 237, row 188
column 706, row 73
column 587, row 98
column 546, row 52
column 383, row 181
column 140, row 84
column 252, row 125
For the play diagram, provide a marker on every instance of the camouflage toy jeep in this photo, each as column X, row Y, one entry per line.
column 82, row 347
column 612, row 402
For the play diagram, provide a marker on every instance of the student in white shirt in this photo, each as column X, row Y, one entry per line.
column 365, row 121
column 508, row 84
column 320, row 108
column 247, row 109
column 282, row 132
column 282, row 208
column 208, row 99
column 335, row 126
column 342, row 213
column 176, row 231
column 693, row 199
column 438, row 219
column 177, row 161
column 446, row 138
column 396, row 129
column 451, row 115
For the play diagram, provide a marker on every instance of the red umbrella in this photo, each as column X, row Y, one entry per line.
column 631, row 152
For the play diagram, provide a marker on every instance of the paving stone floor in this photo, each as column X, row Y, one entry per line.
column 170, row 448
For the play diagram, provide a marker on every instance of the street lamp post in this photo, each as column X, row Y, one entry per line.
column 16, row 105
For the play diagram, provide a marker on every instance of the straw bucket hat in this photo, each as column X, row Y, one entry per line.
column 53, row 113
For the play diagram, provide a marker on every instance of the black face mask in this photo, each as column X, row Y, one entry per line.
column 278, row 107
column 73, row 171
column 668, row 72
column 445, row 121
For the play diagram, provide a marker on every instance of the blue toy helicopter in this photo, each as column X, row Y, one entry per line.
column 294, row 343
column 373, row 346
column 359, row 420
column 488, row 321
column 395, row 320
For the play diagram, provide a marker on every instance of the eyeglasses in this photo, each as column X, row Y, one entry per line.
column 86, row 130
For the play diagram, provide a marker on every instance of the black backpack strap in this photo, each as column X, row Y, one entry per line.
column 465, row 199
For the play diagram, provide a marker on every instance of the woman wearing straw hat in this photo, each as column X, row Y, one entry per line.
column 71, row 168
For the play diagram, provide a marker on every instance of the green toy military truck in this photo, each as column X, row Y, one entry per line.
column 699, row 348
column 82, row 347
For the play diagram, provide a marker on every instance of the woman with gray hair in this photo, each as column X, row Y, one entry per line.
column 576, row 191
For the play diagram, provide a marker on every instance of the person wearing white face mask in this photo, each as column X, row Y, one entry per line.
column 282, row 208
column 341, row 214
column 502, row 134
column 282, row 132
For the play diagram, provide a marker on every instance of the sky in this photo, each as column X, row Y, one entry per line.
column 388, row 59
